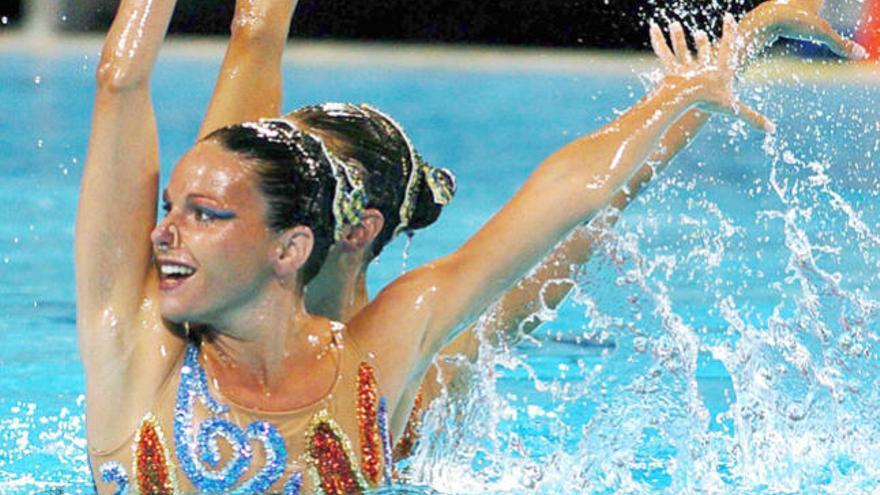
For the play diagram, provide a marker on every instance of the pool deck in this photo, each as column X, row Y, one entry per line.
column 455, row 57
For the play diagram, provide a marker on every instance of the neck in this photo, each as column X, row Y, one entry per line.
column 339, row 291
column 256, row 354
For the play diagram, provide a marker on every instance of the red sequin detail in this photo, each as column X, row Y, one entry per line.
column 371, row 441
column 407, row 442
column 153, row 473
column 334, row 467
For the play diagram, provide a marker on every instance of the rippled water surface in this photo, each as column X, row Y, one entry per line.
column 723, row 339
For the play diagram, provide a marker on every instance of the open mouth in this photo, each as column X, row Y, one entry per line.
column 172, row 274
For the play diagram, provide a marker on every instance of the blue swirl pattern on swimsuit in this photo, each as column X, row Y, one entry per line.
column 194, row 452
column 113, row 472
column 293, row 484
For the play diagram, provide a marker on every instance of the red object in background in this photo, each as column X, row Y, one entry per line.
column 869, row 32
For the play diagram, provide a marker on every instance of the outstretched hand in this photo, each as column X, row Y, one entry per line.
column 713, row 68
column 797, row 19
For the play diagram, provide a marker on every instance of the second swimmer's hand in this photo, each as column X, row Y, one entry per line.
column 797, row 19
column 712, row 71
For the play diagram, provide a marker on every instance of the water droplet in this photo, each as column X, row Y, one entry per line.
column 796, row 412
column 640, row 344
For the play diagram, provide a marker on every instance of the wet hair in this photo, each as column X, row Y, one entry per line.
column 303, row 184
column 409, row 192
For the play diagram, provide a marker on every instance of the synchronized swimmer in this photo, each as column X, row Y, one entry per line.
column 232, row 346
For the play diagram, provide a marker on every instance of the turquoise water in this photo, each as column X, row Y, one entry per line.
column 723, row 339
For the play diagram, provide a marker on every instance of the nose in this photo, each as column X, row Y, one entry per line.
column 165, row 236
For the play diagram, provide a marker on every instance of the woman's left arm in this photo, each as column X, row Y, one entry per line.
column 549, row 283
column 425, row 307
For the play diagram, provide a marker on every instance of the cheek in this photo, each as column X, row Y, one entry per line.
column 234, row 256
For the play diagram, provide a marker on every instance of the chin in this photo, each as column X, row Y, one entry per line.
column 177, row 311
column 173, row 314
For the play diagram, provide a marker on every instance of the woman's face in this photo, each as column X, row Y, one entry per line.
column 213, row 247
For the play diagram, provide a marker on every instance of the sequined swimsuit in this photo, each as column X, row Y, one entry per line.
column 193, row 441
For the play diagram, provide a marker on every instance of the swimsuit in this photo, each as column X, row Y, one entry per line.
column 194, row 441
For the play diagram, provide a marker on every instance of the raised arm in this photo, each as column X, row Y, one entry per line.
column 426, row 306
column 117, row 209
column 518, row 311
column 249, row 84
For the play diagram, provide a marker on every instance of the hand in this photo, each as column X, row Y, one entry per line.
column 712, row 71
column 797, row 19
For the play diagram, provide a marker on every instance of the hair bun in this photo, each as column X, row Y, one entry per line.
column 435, row 189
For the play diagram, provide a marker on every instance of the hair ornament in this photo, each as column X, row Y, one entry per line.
column 407, row 206
column 275, row 131
column 441, row 182
column 349, row 198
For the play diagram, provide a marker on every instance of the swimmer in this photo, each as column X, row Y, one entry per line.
column 249, row 87
column 204, row 370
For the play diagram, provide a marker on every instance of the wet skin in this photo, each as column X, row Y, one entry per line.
column 215, row 224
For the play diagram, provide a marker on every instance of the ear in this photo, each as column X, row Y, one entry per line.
column 293, row 250
column 364, row 233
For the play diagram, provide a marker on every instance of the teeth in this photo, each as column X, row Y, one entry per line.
column 176, row 270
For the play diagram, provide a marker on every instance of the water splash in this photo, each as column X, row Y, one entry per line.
column 45, row 445
column 743, row 303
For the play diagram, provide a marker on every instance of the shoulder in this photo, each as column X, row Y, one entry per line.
column 405, row 302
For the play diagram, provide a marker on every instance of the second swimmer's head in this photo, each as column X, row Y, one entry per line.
column 409, row 193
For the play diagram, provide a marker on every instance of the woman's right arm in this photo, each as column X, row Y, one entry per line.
column 117, row 209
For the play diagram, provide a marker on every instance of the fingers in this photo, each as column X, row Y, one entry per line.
column 679, row 43
column 704, row 48
column 729, row 46
column 821, row 31
column 658, row 44
column 843, row 47
column 753, row 117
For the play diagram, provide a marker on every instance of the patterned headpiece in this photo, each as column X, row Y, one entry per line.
column 349, row 198
column 441, row 182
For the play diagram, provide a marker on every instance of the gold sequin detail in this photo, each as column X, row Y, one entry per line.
column 407, row 442
column 330, row 458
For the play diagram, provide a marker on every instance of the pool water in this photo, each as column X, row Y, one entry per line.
column 723, row 339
